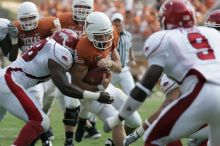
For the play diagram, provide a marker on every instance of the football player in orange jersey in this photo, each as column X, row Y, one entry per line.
column 97, row 49
column 75, row 20
column 31, row 29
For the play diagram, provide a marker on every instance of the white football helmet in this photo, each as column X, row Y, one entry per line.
column 99, row 30
column 81, row 9
column 28, row 16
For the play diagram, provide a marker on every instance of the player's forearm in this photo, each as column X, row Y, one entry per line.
column 116, row 66
column 76, row 92
column 13, row 53
column 68, row 89
column 131, row 54
column 85, row 86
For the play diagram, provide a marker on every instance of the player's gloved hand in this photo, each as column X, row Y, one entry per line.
column 111, row 122
column 13, row 33
column 129, row 139
column 105, row 98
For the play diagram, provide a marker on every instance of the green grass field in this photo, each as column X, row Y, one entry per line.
column 10, row 126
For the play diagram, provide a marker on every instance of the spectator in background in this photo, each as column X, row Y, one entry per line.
column 124, row 78
column 128, row 4
column 150, row 23
column 214, row 6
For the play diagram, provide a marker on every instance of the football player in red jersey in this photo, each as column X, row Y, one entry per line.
column 50, row 58
column 31, row 29
column 171, row 90
column 196, row 49
column 212, row 21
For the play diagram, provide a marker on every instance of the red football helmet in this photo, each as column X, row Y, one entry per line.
column 67, row 38
column 177, row 13
column 213, row 20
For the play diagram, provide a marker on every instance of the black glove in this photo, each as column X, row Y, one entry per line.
column 105, row 98
column 13, row 33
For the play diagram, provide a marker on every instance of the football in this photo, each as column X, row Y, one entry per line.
column 95, row 75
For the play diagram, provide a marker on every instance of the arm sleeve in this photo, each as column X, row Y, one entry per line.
column 55, row 25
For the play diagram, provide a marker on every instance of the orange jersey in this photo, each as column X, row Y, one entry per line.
column 87, row 54
column 67, row 21
column 46, row 27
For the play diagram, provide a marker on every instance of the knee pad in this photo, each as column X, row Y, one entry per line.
column 71, row 103
column 134, row 120
column 71, row 116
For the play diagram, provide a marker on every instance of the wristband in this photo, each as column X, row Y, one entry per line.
column 144, row 89
column 91, row 95
column 140, row 131
column 147, row 122
column 101, row 87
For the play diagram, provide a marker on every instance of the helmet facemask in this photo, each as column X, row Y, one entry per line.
column 103, row 40
column 81, row 9
column 28, row 23
column 99, row 30
column 81, row 12
column 28, row 16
